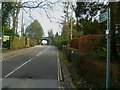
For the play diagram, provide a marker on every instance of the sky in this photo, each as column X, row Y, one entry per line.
column 40, row 15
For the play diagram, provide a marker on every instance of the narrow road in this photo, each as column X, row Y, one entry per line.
column 36, row 68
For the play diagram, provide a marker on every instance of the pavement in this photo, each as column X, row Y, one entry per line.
column 17, row 52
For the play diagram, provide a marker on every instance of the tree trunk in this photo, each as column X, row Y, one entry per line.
column 77, row 25
column 15, row 17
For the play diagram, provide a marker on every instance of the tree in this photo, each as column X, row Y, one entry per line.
column 89, row 10
column 34, row 31
column 10, row 10
column 66, row 31
column 50, row 34
column 56, row 34
column 113, row 6
column 6, row 12
column 90, row 27
column 50, row 37
column 15, row 15
column 0, row 28
column 0, row 20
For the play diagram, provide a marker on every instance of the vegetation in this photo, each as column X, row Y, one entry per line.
column 34, row 31
column 0, row 28
column 50, row 34
column 89, row 10
column 87, row 61
column 89, row 72
column 59, row 41
column 88, row 43
column 88, row 37
column 10, row 12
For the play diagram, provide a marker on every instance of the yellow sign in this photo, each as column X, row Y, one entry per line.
column 4, row 39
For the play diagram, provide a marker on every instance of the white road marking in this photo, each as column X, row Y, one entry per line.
column 18, row 68
column 42, row 51
column 24, row 64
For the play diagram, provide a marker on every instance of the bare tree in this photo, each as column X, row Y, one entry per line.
column 20, row 4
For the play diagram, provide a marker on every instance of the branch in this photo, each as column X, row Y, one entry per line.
column 29, row 14
column 23, row 6
column 47, row 14
column 39, row 5
column 25, row 10
column 43, row 5
column 57, row 20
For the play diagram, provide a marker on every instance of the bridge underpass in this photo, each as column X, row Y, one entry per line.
column 46, row 41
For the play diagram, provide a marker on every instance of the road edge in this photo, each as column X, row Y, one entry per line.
column 65, row 77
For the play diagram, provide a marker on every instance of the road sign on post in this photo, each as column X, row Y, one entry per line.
column 103, row 17
column 108, row 51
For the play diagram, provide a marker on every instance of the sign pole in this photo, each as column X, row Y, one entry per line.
column 108, row 51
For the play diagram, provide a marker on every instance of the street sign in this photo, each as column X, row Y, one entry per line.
column 5, row 38
column 103, row 17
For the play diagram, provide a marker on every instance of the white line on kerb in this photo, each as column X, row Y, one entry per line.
column 59, row 68
column 17, row 68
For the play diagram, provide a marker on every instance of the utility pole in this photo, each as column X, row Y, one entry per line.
column 103, row 17
column 71, row 13
column 108, row 51
column 22, row 25
column 71, row 20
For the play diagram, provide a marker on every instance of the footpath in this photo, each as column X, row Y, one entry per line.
column 13, row 53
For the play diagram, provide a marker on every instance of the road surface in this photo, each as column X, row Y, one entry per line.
column 37, row 67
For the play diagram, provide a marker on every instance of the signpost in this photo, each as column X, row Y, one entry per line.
column 103, row 17
column 5, row 38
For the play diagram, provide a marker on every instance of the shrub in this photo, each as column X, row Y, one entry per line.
column 75, row 43
column 59, row 42
column 90, row 42
column 92, row 70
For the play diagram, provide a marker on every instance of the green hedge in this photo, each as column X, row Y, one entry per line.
column 59, row 42
column 92, row 69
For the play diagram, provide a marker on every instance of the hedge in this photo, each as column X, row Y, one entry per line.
column 93, row 70
column 87, row 43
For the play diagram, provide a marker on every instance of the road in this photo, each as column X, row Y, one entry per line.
column 34, row 68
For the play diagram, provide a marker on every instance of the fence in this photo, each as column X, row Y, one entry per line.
column 19, row 42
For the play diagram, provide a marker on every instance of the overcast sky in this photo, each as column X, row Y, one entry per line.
column 40, row 15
